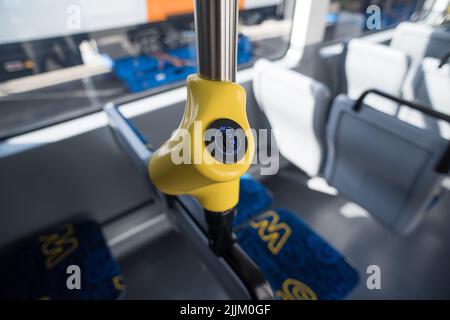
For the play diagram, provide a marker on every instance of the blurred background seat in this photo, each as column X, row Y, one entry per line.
column 420, row 40
column 430, row 87
column 382, row 163
column 297, row 108
column 374, row 66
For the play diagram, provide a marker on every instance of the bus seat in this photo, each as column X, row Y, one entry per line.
column 430, row 87
column 296, row 107
column 375, row 66
column 419, row 40
column 382, row 163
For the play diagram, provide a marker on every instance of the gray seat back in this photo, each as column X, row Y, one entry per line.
column 297, row 109
column 420, row 40
column 374, row 66
column 382, row 163
column 430, row 87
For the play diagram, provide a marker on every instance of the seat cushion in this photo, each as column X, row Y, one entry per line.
column 296, row 261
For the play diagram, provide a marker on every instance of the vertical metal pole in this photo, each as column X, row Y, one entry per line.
column 216, row 25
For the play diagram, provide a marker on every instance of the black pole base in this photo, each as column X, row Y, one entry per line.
column 220, row 230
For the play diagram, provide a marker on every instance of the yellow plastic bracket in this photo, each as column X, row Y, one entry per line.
column 213, row 183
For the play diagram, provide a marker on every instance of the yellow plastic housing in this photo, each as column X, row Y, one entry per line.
column 214, row 184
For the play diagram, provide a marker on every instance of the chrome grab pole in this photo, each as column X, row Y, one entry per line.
column 216, row 24
column 216, row 28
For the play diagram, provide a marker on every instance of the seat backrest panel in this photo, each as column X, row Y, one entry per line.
column 297, row 108
column 429, row 87
column 419, row 40
column 375, row 66
column 382, row 163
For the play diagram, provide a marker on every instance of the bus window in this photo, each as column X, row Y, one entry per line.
column 349, row 18
column 59, row 61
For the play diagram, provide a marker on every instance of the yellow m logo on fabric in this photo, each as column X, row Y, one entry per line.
column 56, row 247
column 118, row 282
column 296, row 290
column 271, row 231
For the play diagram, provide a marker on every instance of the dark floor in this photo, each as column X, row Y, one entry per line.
column 169, row 268
column 412, row 267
